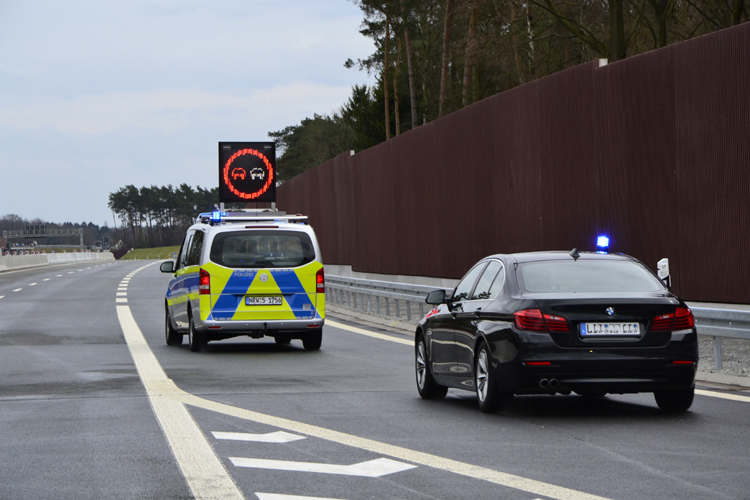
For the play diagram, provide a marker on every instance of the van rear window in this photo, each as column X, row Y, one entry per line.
column 262, row 249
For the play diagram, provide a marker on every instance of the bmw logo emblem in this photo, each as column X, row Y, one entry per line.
column 264, row 277
column 610, row 311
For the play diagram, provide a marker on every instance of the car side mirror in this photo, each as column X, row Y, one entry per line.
column 167, row 267
column 435, row 297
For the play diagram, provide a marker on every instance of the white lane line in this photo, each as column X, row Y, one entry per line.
column 32, row 284
column 275, row 496
column 374, row 468
column 46, row 279
column 162, row 389
column 121, row 300
column 88, row 268
column 368, row 333
column 270, row 437
column 721, row 395
column 70, row 272
column 122, row 294
column 58, row 276
column 80, row 270
column 18, row 289
column 203, row 471
column 124, row 289
column 2, row 296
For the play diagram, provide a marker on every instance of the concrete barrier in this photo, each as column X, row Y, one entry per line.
column 14, row 262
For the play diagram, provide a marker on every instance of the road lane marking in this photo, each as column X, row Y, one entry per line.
column 206, row 476
column 369, row 333
column 276, row 496
column 18, row 289
column 32, row 284
column 122, row 294
column 2, row 296
column 183, row 432
column 124, row 289
column 121, row 300
column 722, row 395
column 70, row 272
column 270, row 437
column 373, row 468
column 46, row 279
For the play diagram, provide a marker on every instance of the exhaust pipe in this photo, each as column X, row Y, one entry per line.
column 544, row 383
column 554, row 383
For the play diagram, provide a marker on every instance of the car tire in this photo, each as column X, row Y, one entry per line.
column 488, row 395
column 282, row 339
column 313, row 340
column 675, row 401
column 173, row 337
column 196, row 340
column 426, row 385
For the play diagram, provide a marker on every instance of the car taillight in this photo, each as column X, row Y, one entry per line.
column 681, row 319
column 204, row 282
column 320, row 282
column 534, row 321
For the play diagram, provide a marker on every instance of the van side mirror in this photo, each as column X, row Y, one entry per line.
column 435, row 297
column 167, row 267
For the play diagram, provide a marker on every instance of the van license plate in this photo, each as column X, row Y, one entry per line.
column 263, row 301
column 588, row 329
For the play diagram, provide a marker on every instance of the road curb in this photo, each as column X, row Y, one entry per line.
column 408, row 329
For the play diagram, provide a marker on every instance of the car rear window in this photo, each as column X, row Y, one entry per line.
column 262, row 249
column 586, row 276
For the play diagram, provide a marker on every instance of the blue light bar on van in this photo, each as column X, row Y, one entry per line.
column 216, row 216
column 602, row 244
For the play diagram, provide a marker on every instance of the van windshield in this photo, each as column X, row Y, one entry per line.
column 262, row 249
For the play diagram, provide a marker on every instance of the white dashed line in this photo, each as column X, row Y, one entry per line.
column 122, row 294
column 46, row 279
column 124, row 289
column 32, row 284
column 18, row 289
column 2, row 296
column 120, row 299
column 70, row 272
column 276, row 496
column 58, row 276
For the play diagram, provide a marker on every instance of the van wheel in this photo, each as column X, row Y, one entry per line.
column 173, row 337
column 312, row 340
column 196, row 340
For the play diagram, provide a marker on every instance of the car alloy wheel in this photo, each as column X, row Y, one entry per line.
column 426, row 385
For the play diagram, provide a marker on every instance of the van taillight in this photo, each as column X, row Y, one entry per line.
column 533, row 320
column 204, row 282
column 320, row 282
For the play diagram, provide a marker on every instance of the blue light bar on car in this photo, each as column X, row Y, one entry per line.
column 602, row 244
column 216, row 216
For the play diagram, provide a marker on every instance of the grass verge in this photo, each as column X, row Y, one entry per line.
column 151, row 253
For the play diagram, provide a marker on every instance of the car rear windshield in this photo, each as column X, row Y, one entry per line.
column 262, row 249
column 586, row 276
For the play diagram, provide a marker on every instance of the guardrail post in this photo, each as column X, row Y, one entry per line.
column 408, row 310
column 717, row 353
column 369, row 304
column 421, row 309
column 398, row 310
column 388, row 306
column 377, row 305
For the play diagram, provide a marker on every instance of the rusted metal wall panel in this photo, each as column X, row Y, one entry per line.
column 652, row 151
column 635, row 124
column 712, row 96
column 568, row 196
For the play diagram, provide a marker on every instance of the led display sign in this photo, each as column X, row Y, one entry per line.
column 247, row 171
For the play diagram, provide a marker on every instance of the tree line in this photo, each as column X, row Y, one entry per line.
column 91, row 232
column 159, row 216
column 433, row 57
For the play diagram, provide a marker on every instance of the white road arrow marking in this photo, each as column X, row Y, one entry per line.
column 374, row 468
column 275, row 496
column 271, row 437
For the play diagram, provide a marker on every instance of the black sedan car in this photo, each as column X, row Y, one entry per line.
column 558, row 322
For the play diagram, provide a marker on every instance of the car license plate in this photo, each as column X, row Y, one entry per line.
column 588, row 329
column 263, row 301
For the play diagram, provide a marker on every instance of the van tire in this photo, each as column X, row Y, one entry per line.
column 173, row 337
column 196, row 340
column 313, row 340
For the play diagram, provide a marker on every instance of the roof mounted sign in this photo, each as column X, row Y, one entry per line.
column 247, row 171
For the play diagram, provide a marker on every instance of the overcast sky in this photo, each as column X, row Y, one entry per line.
column 96, row 95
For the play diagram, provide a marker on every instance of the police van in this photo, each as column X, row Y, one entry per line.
column 249, row 273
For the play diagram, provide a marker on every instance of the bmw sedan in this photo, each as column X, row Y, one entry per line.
column 558, row 322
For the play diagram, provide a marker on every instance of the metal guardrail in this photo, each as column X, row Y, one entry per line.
column 360, row 294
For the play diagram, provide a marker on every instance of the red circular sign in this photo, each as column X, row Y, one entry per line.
column 229, row 175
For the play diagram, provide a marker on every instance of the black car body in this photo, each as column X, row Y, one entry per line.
column 558, row 322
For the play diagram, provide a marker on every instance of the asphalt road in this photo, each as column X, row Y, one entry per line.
column 90, row 410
